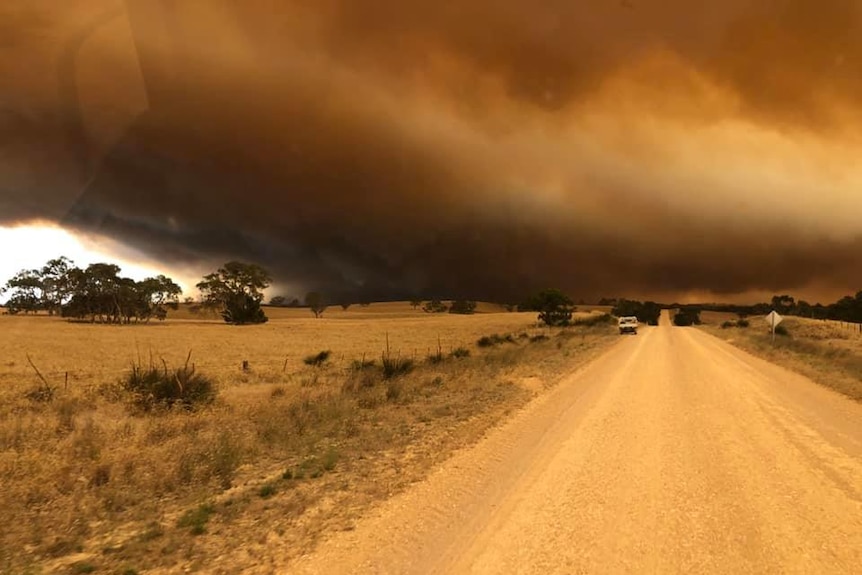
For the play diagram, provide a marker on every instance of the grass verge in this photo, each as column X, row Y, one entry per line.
column 821, row 351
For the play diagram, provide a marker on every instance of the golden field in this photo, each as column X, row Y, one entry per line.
column 284, row 454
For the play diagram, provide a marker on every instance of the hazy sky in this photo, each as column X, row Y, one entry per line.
column 479, row 148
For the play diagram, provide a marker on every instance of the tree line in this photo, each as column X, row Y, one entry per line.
column 97, row 293
column 848, row 308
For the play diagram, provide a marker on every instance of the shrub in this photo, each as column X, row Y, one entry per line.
column 463, row 307
column 742, row 323
column 539, row 338
column 155, row 386
column 728, row 324
column 267, row 490
column 434, row 306
column 782, row 331
column 196, row 519
column 397, row 366
column 495, row 339
column 460, row 352
column 318, row 359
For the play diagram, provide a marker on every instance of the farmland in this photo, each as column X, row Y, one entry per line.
column 286, row 452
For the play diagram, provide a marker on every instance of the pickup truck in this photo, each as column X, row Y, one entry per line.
column 628, row 324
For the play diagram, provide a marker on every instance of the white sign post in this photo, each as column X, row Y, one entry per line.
column 773, row 319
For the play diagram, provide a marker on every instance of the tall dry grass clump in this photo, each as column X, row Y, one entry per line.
column 155, row 386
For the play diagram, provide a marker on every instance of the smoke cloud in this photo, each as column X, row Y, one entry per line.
column 479, row 149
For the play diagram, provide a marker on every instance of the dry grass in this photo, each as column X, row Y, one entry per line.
column 286, row 452
column 828, row 352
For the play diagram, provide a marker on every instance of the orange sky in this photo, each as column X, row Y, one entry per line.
column 480, row 148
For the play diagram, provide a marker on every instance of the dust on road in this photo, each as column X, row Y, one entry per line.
column 673, row 453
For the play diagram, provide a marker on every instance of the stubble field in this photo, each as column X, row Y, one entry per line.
column 287, row 451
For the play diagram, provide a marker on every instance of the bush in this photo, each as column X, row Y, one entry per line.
column 317, row 360
column 728, row 324
column 742, row 323
column 434, row 306
column 397, row 366
column 539, row 338
column 156, row 386
column 196, row 519
column 463, row 307
column 460, row 352
column 267, row 490
column 495, row 339
column 782, row 331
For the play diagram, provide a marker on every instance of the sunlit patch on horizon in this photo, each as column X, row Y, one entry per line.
column 31, row 245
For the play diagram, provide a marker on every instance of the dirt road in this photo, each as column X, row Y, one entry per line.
column 673, row 453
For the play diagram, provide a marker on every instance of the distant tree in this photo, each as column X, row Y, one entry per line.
column 236, row 289
column 56, row 284
column 157, row 295
column 646, row 312
column 415, row 303
column 316, row 303
column 462, row 307
column 278, row 301
column 188, row 300
column 686, row 317
column 555, row 308
column 345, row 305
column 783, row 304
column 26, row 290
column 294, row 303
column 434, row 306
column 804, row 309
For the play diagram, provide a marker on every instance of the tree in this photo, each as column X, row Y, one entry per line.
column 316, row 303
column 57, row 287
column 278, row 301
column 646, row 312
column 434, row 306
column 463, row 307
column 782, row 303
column 345, row 305
column 415, row 303
column 236, row 289
column 686, row 317
column 555, row 308
column 27, row 289
column 156, row 296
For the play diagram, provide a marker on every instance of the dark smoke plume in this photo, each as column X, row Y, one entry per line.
column 479, row 149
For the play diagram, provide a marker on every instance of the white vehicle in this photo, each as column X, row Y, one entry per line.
column 629, row 324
